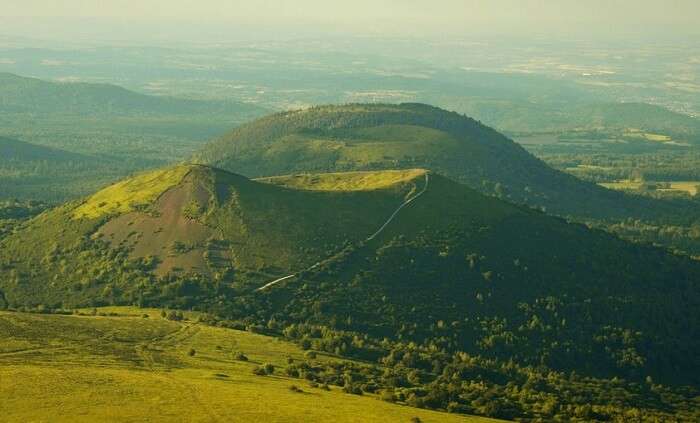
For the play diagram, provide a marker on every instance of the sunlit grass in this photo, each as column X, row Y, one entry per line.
column 131, row 368
column 125, row 196
column 348, row 181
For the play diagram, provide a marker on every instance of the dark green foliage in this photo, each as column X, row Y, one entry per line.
column 175, row 315
column 240, row 356
column 428, row 377
column 268, row 368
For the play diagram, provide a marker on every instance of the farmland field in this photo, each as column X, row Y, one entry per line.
column 689, row 187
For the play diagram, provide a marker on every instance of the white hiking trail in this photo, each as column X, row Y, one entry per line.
column 405, row 203
column 374, row 235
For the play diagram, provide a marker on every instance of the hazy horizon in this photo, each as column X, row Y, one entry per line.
column 220, row 20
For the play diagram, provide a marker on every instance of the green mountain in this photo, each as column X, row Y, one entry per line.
column 447, row 266
column 23, row 95
column 367, row 137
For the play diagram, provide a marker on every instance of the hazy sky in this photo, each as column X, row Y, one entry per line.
column 417, row 17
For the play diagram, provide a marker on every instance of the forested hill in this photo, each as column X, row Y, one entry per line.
column 20, row 152
column 380, row 136
column 606, row 118
column 30, row 95
column 31, row 171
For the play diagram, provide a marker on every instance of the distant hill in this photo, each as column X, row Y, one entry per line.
column 80, row 137
column 452, row 267
column 30, row 95
column 365, row 137
column 15, row 151
column 521, row 116
column 35, row 172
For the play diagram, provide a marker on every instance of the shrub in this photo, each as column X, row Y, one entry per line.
column 175, row 315
column 191, row 352
column 296, row 389
column 255, row 329
column 240, row 356
column 259, row 371
column 269, row 368
column 387, row 396
column 351, row 388
column 310, row 355
column 292, row 371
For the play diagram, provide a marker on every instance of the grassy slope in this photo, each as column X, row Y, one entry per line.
column 70, row 368
column 125, row 196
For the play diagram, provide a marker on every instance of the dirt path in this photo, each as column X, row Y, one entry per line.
column 405, row 203
column 371, row 237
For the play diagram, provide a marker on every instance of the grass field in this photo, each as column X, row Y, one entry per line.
column 636, row 133
column 689, row 187
column 57, row 368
